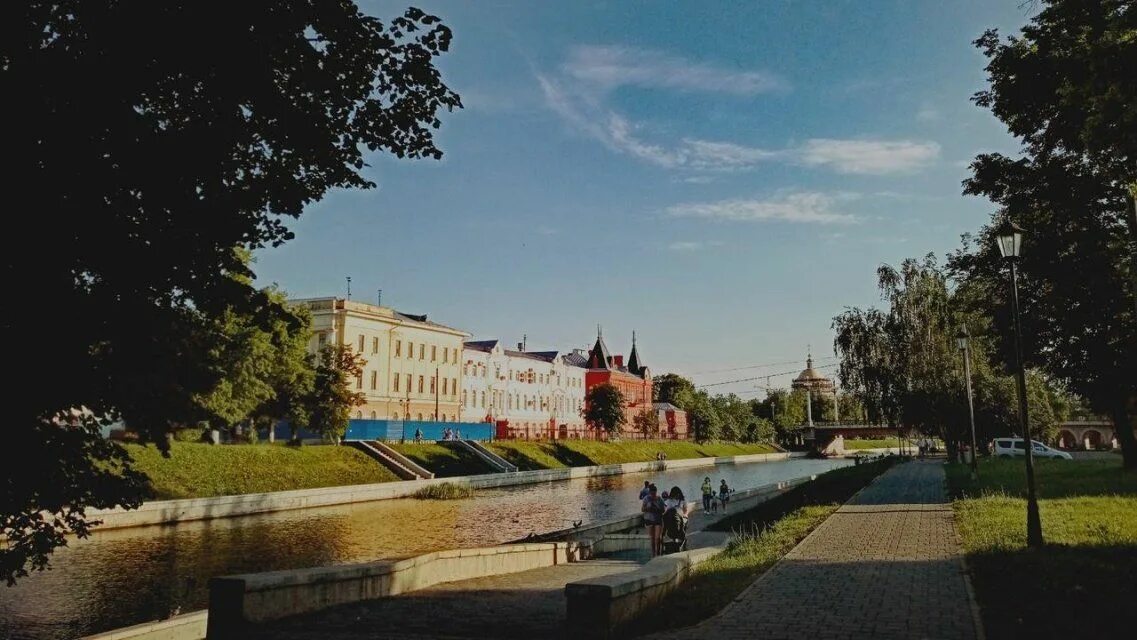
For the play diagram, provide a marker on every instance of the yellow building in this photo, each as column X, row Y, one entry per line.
column 412, row 363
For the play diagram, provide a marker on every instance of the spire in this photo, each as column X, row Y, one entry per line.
column 808, row 356
column 634, row 365
column 599, row 358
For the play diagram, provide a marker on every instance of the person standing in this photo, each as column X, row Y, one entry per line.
column 646, row 490
column 708, row 495
column 724, row 494
column 652, row 508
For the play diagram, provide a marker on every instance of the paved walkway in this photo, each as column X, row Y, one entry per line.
column 885, row 565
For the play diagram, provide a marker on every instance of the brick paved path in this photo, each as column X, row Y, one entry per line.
column 885, row 565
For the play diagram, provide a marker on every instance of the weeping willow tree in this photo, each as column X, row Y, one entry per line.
column 902, row 363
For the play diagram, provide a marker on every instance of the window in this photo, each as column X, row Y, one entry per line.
column 433, row 353
column 374, row 379
column 483, row 399
column 396, row 415
column 454, row 386
column 395, row 383
column 322, row 340
column 398, row 348
column 445, row 388
column 359, row 382
column 420, row 383
column 361, row 343
column 358, row 415
column 432, row 384
column 464, row 398
column 421, row 351
column 420, row 415
column 445, row 354
column 375, row 345
column 372, row 415
column 1020, row 445
column 509, row 401
column 408, row 390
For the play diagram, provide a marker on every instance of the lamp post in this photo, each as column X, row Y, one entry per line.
column 1010, row 243
column 963, row 340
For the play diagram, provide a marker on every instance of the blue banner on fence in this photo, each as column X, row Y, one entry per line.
column 396, row 430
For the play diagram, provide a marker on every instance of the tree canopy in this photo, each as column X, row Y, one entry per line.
column 604, row 408
column 150, row 140
column 1065, row 88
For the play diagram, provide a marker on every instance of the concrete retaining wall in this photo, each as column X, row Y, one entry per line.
column 599, row 606
column 167, row 511
column 235, row 602
column 189, row 626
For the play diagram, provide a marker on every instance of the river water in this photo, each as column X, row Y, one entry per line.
column 122, row 577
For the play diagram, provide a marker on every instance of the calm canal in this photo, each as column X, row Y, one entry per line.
column 123, row 577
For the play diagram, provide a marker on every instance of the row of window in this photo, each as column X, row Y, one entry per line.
column 449, row 354
column 444, row 418
column 520, row 401
column 449, row 385
column 530, row 376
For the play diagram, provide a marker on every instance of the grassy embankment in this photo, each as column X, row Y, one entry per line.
column 1080, row 583
column 444, row 461
column 581, row 453
column 764, row 534
column 201, row 470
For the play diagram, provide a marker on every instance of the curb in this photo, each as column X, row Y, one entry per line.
column 965, row 570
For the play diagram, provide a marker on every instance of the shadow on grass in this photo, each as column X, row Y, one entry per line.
column 1054, row 478
column 1057, row 591
column 570, row 457
column 520, row 460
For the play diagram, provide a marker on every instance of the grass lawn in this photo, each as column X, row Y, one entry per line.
column 202, row 470
column 764, row 534
column 882, row 443
column 583, row 453
column 1085, row 577
column 444, row 461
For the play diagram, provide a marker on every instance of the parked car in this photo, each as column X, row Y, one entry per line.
column 1009, row 447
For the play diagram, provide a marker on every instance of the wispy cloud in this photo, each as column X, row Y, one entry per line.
column 874, row 157
column 928, row 113
column 698, row 179
column 800, row 207
column 609, row 67
column 579, row 91
column 685, row 246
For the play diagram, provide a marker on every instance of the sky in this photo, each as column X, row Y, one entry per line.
column 722, row 178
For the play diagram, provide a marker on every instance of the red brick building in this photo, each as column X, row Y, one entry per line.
column 632, row 379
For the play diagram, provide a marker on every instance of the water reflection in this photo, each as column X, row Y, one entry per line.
column 123, row 577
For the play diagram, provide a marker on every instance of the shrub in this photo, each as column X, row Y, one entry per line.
column 444, row 491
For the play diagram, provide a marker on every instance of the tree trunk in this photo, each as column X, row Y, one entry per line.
column 1124, row 419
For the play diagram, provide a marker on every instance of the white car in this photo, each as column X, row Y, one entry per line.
column 1008, row 447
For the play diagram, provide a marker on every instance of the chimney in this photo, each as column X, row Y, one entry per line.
column 521, row 346
column 619, row 360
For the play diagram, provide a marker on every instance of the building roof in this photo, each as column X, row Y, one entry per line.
column 539, row 356
column 481, row 345
column 342, row 304
column 576, row 359
column 599, row 357
column 664, row 406
column 809, row 373
column 634, row 364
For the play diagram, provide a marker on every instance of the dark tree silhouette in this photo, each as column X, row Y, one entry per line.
column 146, row 141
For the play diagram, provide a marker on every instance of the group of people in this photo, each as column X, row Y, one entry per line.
column 926, row 446
column 451, row 434
column 710, row 501
column 658, row 508
column 669, row 510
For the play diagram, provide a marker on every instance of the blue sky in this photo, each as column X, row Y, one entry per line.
column 723, row 178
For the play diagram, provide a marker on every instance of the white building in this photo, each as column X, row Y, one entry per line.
column 527, row 394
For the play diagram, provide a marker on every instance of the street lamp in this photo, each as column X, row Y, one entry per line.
column 963, row 341
column 1010, row 238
